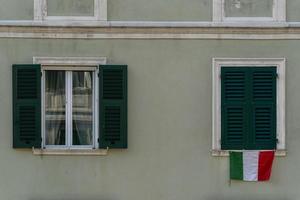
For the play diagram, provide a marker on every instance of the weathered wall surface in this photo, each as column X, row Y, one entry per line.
column 70, row 7
column 16, row 10
column 139, row 10
column 248, row 8
column 173, row 10
column 169, row 127
column 293, row 13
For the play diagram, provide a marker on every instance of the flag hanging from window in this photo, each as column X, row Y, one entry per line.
column 251, row 165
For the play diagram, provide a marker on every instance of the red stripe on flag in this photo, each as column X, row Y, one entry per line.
column 265, row 162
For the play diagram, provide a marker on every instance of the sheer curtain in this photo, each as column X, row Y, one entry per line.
column 82, row 93
column 55, row 110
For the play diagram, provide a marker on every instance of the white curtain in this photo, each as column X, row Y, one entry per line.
column 82, row 108
column 55, row 107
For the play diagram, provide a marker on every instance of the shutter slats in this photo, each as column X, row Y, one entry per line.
column 248, row 114
column 113, row 106
column 264, row 107
column 234, row 85
column 263, row 82
column 233, row 134
column 233, row 111
column 113, row 82
column 26, row 106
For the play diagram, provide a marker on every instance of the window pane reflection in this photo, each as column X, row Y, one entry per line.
column 82, row 94
column 55, row 107
column 248, row 8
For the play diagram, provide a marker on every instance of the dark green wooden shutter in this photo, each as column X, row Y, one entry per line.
column 248, row 108
column 113, row 106
column 263, row 108
column 26, row 106
column 234, row 109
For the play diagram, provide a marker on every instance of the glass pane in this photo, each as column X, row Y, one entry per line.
column 248, row 8
column 55, row 109
column 82, row 108
column 70, row 7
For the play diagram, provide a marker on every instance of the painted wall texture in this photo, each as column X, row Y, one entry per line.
column 70, row 7
column 16, row 10
column 248, row 8
column 121, row 9
column 137, row 10
column 172, row 10
column 180, row 10
column 169, row 126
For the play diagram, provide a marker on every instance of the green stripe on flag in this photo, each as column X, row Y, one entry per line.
column 236, row 165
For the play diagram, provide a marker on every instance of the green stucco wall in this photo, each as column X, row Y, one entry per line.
column 70, row 7
column 293, row 13
column 248, row 8
column 16, row 9
column 169, row 126
column 139, row 10
column 173, row 10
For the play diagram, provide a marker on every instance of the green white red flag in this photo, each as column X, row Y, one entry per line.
column 251, row 165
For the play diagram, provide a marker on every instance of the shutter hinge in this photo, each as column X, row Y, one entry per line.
column 41, row 74
column 277, row 75
column 98, row 140
column 220, row 76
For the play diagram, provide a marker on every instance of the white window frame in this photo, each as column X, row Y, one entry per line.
column 72, row 64
column 279, row 13
column 100, row 12
column 279, row 63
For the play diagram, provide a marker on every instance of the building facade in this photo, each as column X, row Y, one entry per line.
column 136, row 99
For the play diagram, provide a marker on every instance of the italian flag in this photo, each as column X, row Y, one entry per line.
column 251, row 165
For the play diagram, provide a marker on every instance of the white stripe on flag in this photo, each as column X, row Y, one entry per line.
column 250, row 165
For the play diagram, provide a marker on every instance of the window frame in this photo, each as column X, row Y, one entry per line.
column 217, row 63
column 278, row 13
column 100, row 12
column 68, row 111
column 72, row 64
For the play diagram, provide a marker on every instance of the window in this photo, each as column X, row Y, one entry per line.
column 69, row 108
column 70, row 103
column 248, row 104
column 95, row 10
column 249, row 10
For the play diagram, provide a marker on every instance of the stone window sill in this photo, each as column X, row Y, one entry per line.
column 70, row 152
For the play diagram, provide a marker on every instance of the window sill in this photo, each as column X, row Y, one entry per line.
column 70, row 152
column 224, row 153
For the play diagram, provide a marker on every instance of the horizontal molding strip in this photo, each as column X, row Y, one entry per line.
column 69, row 23
column 151, row 36
column 149, row 30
